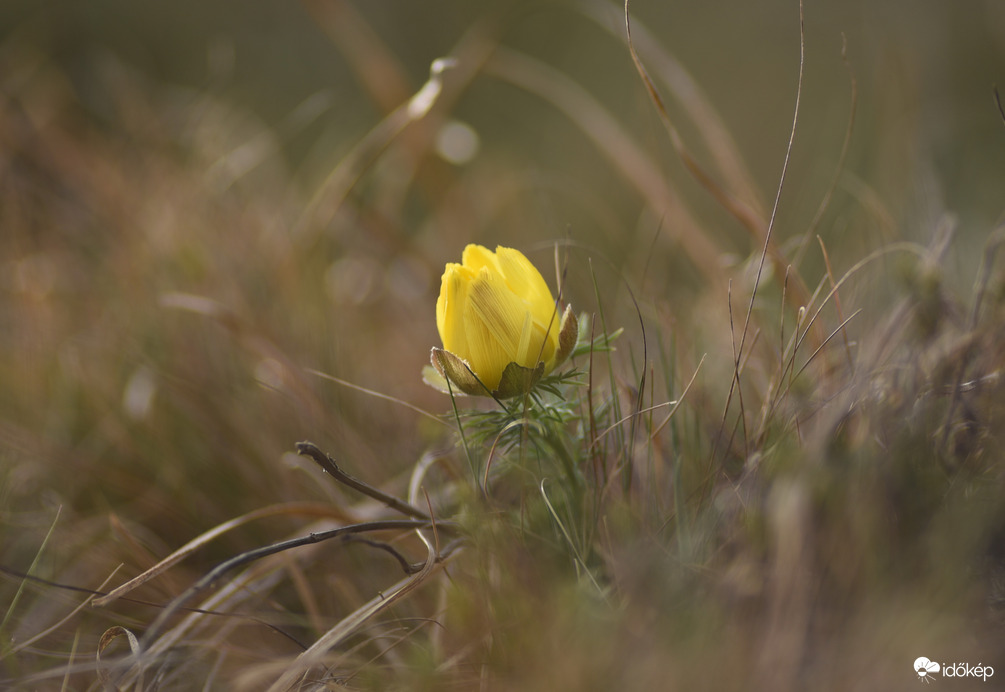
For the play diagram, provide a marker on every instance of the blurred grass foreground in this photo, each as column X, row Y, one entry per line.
column 775, row 461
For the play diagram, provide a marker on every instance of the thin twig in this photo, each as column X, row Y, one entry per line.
column 351, row 623
column 842, row 157
column 781, row 184
column 603, row 129
column 142, row 602
column 748, row 216
column 680, row 399
column 406, row 566
column 840, row 328
column 594, row 452
column 309, row 449
column 736, row 370
column 252, row 555
column 293, row 508
column 771, row 224
column 837, row 300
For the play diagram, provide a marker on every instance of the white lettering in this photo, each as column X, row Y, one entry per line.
column 965, row 670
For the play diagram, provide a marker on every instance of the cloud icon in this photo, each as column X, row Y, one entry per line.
column 924, row 667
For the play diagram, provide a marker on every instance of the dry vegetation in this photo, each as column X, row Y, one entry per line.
column 794, row 487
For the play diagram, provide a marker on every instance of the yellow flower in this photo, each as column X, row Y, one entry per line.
column 499, row 324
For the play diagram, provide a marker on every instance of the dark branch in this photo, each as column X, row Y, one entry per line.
column 309, row 449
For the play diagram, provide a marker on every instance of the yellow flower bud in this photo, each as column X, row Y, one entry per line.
column 498, row 323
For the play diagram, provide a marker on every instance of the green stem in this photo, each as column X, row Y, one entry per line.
column 568, row 464
column 460, row 429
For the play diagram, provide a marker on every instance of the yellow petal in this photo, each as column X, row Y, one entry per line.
column 495, row 310
column 475, row 257
column 546, row 342
column 494, row 319
column 450, row 306
column 523, row 349
column 526, row 281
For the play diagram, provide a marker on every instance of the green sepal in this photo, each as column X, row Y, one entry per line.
column 568, row 335
column 434, row 379
column 457, row 371
column 517, row 380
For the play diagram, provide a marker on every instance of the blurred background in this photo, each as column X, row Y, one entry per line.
column 200, row 201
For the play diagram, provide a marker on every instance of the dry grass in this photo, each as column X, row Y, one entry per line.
column 786, row 475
